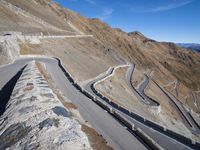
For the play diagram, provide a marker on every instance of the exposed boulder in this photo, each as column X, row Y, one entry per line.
column 9, row 48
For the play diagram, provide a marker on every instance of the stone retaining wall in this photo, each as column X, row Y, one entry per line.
column 35, row 118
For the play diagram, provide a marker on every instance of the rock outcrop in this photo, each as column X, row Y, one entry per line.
column 9, row 48
column 35, row 118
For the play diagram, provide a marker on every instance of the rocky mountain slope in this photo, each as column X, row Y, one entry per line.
column 167, row 61
column 174, row 68
column 30, row 17
column 135, row 47
column 192, row 46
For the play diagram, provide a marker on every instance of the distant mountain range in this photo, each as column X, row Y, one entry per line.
column 193, row 46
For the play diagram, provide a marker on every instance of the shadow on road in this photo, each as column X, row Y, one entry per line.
column 7, row 90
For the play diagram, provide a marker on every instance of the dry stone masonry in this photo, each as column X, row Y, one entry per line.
column 36, row 119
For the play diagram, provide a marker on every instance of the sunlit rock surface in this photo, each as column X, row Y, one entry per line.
column 36, row 119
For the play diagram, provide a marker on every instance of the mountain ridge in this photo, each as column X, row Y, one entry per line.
column 192, row 46
column 134, row 69
column 143, row 51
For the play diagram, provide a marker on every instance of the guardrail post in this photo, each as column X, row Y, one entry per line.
column 94, row 98
column 111, row 110
column 193, row 141
column 159, row 109
column 83, row 91
column 129, row 112
column 133, row 127
column 165, row 129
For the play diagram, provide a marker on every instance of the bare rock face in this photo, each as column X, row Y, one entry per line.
column 36, row 119
column 9, row 48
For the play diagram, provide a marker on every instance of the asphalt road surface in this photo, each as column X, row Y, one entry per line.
column 115, row 134
column 164, row 141
column 186, row 117
column 188, row 120
column 140, row 92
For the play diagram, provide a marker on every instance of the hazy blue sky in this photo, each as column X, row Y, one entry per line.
column 162, row 20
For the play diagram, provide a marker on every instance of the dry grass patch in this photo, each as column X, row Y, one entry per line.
column 69, row 105
column 27, row 49
column 97, row 141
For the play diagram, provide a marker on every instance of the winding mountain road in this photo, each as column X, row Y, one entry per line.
column 165, row 140
column 188, row 120
column 115, row 133
column 140, row 92
column 186, row 117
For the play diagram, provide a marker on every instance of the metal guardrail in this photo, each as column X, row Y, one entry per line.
column 152, row 144
column 187, row 141
column 111, row 106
